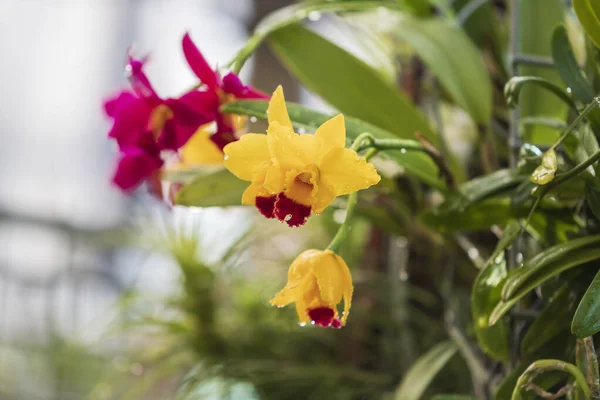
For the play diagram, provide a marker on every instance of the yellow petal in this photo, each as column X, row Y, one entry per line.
column 249, row 196
column 293, row 291
column 200, row 150
column 274, row 179
column 330, row 277
column 247, row 155
column 332, row 134
column 302, row 311
column 277, row 111
column 323, row 198
column 290, row 150
column 344, row 172
column 348, row 288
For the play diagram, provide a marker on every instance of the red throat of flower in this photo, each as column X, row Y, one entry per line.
column 324, row 316
column 284, row 209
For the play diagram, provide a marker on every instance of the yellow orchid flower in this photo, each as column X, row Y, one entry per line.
column 293, row 175
column 200, row 149
column 317, row 282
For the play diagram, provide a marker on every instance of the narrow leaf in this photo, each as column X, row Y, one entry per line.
column 588, row 18
column 586, row 321
column 422, row 372
column 485, row 295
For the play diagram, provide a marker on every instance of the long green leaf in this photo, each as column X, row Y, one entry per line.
column 537, row 20
column 220, row 188
column 514, row 87
column 544, row 273
column 417, row 164
column 452, row 397
column 454, row 59
column 588, row 18
column 486, row 293
column 572, row 74
column 347, row 83
column 423, row 371
column 554, row 257
column 586, row 321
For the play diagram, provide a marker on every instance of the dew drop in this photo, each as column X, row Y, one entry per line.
column 302, row 324
column 287, row 217
column 314, row 16
column 301, row 130
column 402, row 151
column 403, row 276
column 253, row 119
column 226, row 157
column 569, row 90
column 519, row 258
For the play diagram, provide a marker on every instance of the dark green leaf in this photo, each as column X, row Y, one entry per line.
column 542, row 267
column 452, row 397
column 454, row 59
column 586, row 321
column 550, row 262
column 423, row 371
column 537, row 20
column 572, row 74
column 417, row 164
column 485, row 295
column 592, row 198
column 219, row 188
column 552, row 320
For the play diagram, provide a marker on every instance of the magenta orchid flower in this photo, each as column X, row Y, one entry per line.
column 219, row 91
column 144, row 124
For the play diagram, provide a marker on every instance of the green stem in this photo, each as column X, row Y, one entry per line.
column 592, row 373
column 343, row 231
column 542, row 366
column 576, row 122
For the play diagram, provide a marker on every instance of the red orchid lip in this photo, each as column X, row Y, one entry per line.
column 324, row 316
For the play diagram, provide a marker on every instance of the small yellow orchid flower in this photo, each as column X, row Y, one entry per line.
column 293, row 175
column 317, row 282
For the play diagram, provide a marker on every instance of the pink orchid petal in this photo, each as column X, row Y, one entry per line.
column 233, row 85
column 134, row 167
column 203, row 102
column 130, row 121
column 198, row 63
column 112, row 105
column 138, row 79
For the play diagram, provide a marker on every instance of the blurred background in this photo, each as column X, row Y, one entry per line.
column 68, row 263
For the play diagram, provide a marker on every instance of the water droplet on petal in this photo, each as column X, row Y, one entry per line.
column 287, row 217
column 302, row 324
column 253, row 119
column 226, row 157
column 301, row 130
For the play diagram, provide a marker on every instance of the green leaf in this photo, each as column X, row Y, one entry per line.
column 514, row 87
column 220, row 188
column 481, row 188
column 550, row 261
column 493, row 340
column 572, row 74
column 347, row 83
column 579, row 146
column 568, row 68
column 588, row 18
column 592, row 198
column 454, row 59
column 551, row 321
column 542, row 267
column 586, row 321
column 452, row 397
column 423, row 371
column 537, row 20
column 417, row 164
